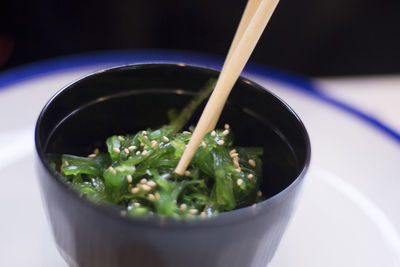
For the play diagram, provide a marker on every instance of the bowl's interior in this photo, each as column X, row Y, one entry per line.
column 129, row 99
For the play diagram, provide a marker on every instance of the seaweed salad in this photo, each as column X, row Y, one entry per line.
column 136, row 172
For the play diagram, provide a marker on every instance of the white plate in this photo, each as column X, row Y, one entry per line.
column 347, row 214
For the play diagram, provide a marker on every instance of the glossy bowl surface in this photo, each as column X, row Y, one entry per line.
column 130, row 98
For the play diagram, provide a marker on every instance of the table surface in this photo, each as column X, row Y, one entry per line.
column 378, row 96
column 374, row 98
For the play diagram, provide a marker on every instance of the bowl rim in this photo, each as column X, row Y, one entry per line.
column 157, row 221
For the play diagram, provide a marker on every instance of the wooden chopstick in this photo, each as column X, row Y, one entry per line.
column 233, row 66
column 250, row 9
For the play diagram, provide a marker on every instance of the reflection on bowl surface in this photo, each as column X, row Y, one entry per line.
column 131, row 98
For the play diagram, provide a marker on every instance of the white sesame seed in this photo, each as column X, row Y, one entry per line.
column 239, row 182
column 121, row 138
column 250, row 176
column 186, row 132
column 151, row 197
column 66, row 163
column 151, row 184
column 186, row 173
column 183, row 207
column 145, row 187
column 203, row 214
column 236, row 162
column 123, row 212
column 141, row 144
column 238, row 169
column 203, row 144
column 213, row 133
column 96, row 151
column 252, row 162
column 136, row 204
column 131, row 148
column 135, row 190
column 226, row 126
column 259, row 193
column 166, row 139
column 234, row 155
column 157, row 196
column 145, row 137
column 220, row 142
column 123, row 168
column 225, row 132
column 144, row 152
column 144, row 132
column 129, row 178
column 126, row 151
column 92, row 156
column 116, row 150
column 254, row 205
column 111, row 169
column 154, row 143
column 193, row 211
column 143, row 181
column 232, row 151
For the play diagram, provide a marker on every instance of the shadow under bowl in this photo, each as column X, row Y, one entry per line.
column 130, row 98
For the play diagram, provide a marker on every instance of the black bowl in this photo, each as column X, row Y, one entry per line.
column 130, row 98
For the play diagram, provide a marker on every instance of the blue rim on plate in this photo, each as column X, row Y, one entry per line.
column 112, row 58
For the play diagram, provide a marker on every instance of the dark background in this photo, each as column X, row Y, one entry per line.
column 310, row 37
